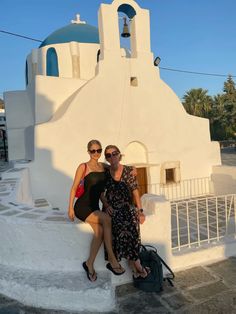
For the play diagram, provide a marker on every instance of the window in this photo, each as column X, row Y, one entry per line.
column 170, row 172
column 134, row 81
column 170, row 175
column 52, row 63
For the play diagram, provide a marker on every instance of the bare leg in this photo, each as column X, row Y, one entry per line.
column 104, row 220
column 94, row 248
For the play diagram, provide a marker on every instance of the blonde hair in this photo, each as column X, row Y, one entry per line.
column 93, row 142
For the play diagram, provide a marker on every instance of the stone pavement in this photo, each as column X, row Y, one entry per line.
column 228, row 156
column 202, row 289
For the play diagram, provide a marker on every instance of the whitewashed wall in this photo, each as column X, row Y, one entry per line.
column 104, row 105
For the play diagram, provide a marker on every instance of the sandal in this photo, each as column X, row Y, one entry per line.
column 90, row 276
column 113, row 269
column 144, row 273
column 135, row 274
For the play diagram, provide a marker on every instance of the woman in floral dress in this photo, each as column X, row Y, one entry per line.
column 121, row 190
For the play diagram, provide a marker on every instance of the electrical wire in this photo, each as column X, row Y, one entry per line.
column 162, row 68
column 198, row 73
column 21, row 36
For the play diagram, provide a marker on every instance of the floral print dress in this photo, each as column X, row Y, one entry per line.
column 125, row 220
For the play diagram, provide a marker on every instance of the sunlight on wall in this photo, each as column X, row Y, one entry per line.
column 135, row 152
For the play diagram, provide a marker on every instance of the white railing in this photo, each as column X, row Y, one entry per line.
column 202, row 220
column 185, row 189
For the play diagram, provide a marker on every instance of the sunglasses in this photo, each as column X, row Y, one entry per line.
column 113, row 154
column 93, row 151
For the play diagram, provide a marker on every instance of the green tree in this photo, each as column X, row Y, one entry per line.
column 218, row 120
column 197, row 102
column 229, row 100
column 220, row 109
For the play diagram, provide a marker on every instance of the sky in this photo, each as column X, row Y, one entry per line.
column 188, row 35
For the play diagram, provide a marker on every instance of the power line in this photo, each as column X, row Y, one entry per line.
column 198, row 73
column 162, row 68
column 21, row 36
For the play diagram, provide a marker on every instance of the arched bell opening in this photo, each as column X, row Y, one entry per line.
column 125, row 15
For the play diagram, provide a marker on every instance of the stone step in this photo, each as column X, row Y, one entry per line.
column 69, row 291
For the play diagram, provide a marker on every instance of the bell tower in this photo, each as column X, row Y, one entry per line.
column 109, row 33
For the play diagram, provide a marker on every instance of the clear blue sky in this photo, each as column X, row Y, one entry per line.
column 188, row 35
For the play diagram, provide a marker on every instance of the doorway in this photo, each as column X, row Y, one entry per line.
column 142, row 180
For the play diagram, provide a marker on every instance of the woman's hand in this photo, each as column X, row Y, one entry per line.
column 109, row 210
column 71, row 214
column 134, row 172
column 141, row 217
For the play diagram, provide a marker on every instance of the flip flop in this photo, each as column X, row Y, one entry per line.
column 142, row 273
column 89, row 275
column 112, row 269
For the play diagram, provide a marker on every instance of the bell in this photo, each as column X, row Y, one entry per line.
column 125, row 32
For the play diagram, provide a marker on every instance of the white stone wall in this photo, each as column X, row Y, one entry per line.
column 103, row 104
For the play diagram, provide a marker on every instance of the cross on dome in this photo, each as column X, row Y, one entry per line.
column 78, row 20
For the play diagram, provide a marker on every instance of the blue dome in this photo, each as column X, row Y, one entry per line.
column 82, row 33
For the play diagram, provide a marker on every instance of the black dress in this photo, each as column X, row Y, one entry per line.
column 94, row 183
column 125, row 220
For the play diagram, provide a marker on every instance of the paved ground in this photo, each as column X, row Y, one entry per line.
column 204, row 289
column 207, row 289
column 228, row 156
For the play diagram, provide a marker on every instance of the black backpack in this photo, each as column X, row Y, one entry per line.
column 154, row 281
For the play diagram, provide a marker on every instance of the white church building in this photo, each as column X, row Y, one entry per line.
column 81, row 84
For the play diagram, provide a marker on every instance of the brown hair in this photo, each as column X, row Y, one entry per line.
column 93, row 142
column 114, row 147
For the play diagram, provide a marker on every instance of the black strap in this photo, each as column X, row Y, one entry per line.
column 169, row 280
column 146, row 247
column 167, row 267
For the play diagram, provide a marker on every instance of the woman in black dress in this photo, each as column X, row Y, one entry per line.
column 121, row 190
column 86, row 208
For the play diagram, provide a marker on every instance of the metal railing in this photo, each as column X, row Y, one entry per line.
column 184, row 189
column 202, row 220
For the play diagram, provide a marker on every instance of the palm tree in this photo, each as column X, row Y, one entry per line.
column 197, row 102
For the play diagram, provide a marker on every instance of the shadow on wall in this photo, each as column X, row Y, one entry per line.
column 43, row 109
column 53, row 107
column 49, row 182
column 223, row 183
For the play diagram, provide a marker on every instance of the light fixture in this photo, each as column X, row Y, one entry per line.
column 125, row 32
column 157, row 61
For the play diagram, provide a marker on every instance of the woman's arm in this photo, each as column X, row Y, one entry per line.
column 105, row 166
column 77, row 178
column 133, row 184
column 137, row 201
column 134, row 171
column 107, row 207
